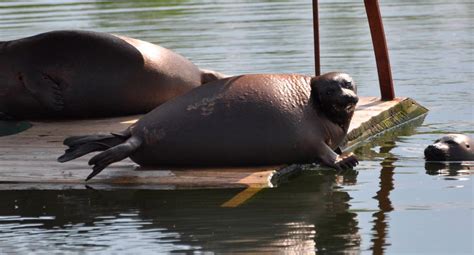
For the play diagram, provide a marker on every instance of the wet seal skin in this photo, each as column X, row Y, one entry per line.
column 451, row 148
column 80, row 74
column 260, row 119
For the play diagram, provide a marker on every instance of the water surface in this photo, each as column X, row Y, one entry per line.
column 392, row 204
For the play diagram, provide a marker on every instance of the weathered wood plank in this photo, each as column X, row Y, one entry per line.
column 373, row 117
column 28, row 159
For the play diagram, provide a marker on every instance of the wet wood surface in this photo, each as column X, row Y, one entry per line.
column 28, row 159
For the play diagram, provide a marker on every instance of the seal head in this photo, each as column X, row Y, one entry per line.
column 452, row 147
column 335, row 95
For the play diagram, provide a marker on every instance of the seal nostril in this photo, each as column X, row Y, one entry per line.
column 356, row 100
column 351, row 99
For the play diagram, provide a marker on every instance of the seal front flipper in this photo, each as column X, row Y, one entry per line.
column 45, row 89
column 114, row 154
column 338, row 150
column 347, row 161
column 330, row 158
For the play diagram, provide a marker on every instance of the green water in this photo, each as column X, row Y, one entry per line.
column 392, row 204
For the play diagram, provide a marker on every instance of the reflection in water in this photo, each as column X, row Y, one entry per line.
column 386, row 143
column 304, row 215
column 383, row 198
column 449, row 169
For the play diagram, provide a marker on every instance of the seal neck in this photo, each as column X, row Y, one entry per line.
column 3, row 45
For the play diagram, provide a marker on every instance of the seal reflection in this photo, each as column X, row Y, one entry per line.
column 305, row 215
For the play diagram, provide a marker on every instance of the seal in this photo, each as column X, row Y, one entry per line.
column 79, row 74
column 452, row 147
column 260, row 119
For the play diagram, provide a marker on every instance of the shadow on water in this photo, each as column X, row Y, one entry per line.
column 302, row 215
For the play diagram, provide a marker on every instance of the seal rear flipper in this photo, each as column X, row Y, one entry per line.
column 114, row 154
column 45, row 89
column 82, row 145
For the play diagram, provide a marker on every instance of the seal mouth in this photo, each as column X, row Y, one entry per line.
column 350, row 107
column 434, row 154
column 344, row 107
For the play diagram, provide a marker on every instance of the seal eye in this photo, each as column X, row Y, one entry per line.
column 467, row 145
column 330, row 92
column 451, row 142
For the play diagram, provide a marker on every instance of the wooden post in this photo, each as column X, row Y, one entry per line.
column 317, row 63
column 380, row 49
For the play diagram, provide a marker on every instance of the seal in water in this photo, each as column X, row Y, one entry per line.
column 452, row 147
column 261, row 119
column 69, row 74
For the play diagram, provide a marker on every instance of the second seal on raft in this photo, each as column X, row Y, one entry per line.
column 81, row 74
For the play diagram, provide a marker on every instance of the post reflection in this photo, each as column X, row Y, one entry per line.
column 380, row 221
column 386, row 143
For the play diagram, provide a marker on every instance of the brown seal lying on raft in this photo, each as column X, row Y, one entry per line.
column 452, row 147
column 262, row 119
column 68, row 74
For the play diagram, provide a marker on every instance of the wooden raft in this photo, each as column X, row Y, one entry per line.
column 28, row 159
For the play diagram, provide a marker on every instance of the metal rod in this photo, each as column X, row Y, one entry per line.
column 380, row 49
column 317, row 63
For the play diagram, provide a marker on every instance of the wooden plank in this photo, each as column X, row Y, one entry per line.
column 373, row 117
column 28, row 159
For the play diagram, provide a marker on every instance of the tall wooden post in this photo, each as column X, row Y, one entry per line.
column 317, row 63
column 380, row 49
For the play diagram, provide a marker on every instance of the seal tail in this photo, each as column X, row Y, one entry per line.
column 82, row 145
column 114, row 154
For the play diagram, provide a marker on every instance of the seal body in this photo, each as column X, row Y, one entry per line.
column 452, row 147
column 88, row 74
column 244, row 120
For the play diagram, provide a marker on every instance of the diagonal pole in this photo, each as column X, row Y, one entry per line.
column 317, row 63
column 380, row 49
